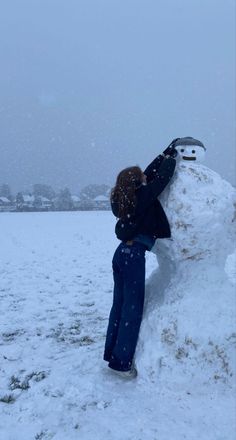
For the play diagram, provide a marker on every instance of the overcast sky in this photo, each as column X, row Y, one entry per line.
column 88, row 87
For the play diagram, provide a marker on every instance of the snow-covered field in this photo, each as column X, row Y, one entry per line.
column 55, row 296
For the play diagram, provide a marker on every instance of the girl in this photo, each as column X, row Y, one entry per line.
column 141, row 221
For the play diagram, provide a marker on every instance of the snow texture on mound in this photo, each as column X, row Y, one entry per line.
column 200, row 206
column 188, row 330
column 230, row 267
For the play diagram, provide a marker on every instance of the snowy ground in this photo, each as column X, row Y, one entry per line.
column 55, row 297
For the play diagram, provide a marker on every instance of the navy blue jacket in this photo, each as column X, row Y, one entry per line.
column 149, row 218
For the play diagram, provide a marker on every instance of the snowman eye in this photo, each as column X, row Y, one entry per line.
column 193, row 151
column 182, row 150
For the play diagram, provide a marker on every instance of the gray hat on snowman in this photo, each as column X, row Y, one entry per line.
column 188, row 141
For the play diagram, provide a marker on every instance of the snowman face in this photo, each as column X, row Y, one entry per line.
column 191, row 152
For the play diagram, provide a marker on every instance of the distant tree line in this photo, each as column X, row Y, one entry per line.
column 45, row 198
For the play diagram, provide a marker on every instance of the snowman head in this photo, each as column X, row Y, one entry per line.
column 190, row 149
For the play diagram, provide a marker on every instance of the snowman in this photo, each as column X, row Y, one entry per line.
column 179, row 312
column 199, row 206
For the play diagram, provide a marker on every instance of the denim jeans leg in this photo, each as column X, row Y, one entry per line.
column 132, row 309
column 116, row 310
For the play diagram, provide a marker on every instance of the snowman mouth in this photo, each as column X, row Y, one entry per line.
column 188, row 158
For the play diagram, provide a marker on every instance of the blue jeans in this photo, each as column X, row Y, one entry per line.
column 126, row 313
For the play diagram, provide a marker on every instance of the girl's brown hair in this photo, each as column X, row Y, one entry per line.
column 123, row 193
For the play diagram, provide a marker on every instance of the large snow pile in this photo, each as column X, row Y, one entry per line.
column 188, row 331
column 200, row 207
